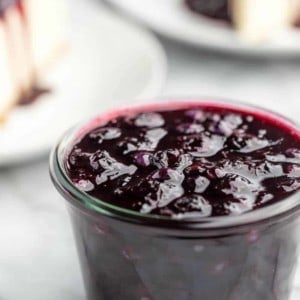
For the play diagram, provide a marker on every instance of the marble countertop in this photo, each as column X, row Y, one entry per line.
column 37, row 254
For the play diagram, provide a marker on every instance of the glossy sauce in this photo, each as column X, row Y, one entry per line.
column 193, row 162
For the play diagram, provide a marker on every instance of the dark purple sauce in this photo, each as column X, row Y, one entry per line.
column 33, row 95
column 199, row 161
column 4, row 4
column 216, row 9
column 297, row 22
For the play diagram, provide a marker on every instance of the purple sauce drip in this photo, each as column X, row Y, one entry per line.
column 4, row 4
column 33, row 95
column 195, row 162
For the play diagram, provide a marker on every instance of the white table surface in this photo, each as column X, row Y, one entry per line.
column 37, row 254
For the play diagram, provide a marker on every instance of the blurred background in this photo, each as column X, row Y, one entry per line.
column 99, row 55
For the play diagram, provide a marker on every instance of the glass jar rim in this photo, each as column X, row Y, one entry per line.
column 266, row 215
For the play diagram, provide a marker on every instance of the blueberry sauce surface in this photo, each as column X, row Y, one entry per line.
column 198, row 161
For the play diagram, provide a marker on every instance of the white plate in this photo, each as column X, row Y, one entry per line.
column 109, row 62
column 171, row 18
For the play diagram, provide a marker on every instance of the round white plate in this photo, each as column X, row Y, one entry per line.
column 108, row 62
column 171, row 18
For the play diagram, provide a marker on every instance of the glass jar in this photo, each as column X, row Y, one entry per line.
column 126, row 255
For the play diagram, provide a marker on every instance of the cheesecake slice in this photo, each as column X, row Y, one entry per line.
column 260, row 20
column 255, row 21
column 46, row 24
column 32, row 35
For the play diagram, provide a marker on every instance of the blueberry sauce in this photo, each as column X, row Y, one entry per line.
column 198, row 161
column 33, row 95
column 216, row 9
column 4, row 4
